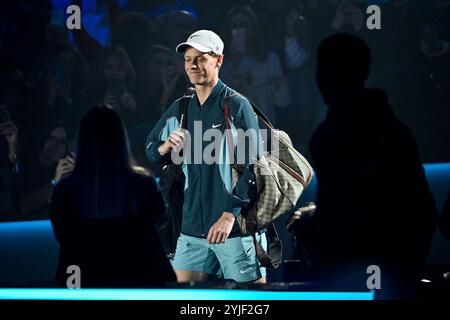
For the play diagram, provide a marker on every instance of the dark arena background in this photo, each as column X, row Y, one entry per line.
column 58, row 59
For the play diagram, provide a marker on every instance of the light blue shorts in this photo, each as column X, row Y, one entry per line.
column 234, row 260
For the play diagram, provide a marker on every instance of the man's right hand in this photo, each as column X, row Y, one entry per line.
column 220, row 230
column 175, row 141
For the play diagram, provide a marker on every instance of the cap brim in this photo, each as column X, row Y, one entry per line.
column 181, row 48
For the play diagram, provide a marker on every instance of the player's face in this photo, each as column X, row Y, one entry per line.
column 201, row 68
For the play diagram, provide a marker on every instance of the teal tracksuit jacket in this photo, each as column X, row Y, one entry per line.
column 208, row 188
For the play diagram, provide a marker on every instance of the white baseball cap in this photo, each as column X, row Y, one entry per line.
column 204, row 41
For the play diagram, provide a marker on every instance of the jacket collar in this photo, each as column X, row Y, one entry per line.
column 215, row 91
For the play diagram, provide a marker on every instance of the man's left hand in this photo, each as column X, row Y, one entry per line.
column 220, row 230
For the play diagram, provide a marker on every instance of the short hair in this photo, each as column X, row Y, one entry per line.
column 346, row 54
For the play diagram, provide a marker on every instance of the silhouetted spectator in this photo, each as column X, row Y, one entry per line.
column 104, row 214
column 112, row 82
column 250, row 67
column 373, row 201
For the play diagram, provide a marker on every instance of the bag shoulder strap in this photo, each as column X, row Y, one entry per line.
column 256, row 110
column 274, row 246
column 227, row 115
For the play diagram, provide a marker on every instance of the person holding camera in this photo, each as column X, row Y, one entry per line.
column 251, row 68
column 47, row 162
column 112, row 82
column 348, row 17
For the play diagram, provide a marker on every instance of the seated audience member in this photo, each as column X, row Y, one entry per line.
column 104, row 215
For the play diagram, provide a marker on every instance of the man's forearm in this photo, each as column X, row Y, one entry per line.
column 153, row 153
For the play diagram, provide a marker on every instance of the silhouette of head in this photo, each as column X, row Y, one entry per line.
column 102, row 139
column 343, row 63
column 103, row 164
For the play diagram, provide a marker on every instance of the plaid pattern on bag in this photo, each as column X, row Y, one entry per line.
column 281, row 176
column 280, row 181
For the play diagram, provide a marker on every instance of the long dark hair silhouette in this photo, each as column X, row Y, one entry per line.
column 104, row 165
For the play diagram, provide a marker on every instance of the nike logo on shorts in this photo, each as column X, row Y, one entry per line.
column 245, row 270
column 216, row 125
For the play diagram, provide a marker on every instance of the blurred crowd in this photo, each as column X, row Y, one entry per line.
column 50, row 76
